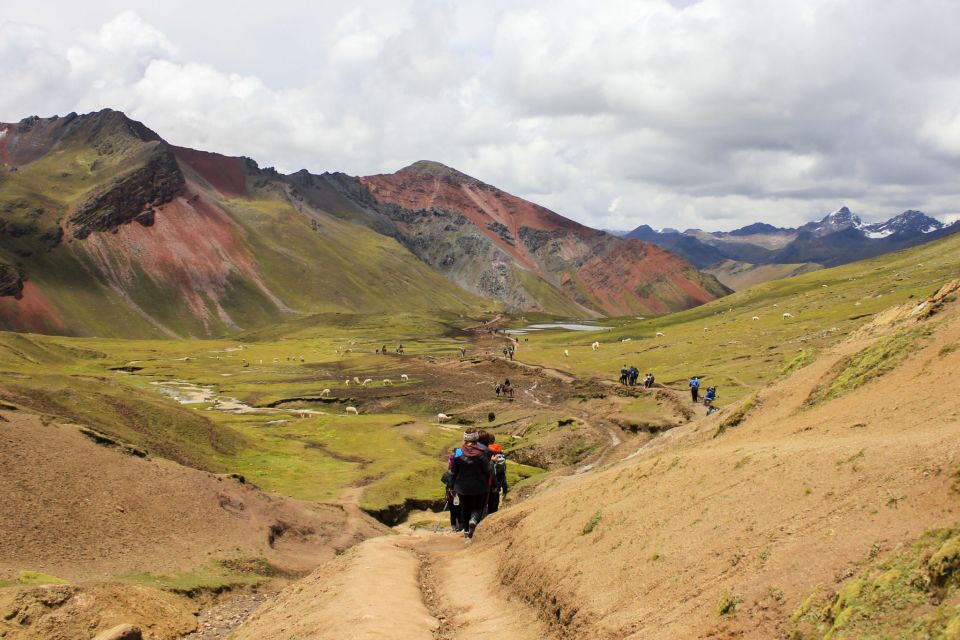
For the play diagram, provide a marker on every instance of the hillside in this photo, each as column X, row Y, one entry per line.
column 743, row 275
column 511, row 250
column 752, row 531
column 92, row 535
column 105, row 229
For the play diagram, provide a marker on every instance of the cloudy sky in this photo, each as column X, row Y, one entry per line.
column 683, row 113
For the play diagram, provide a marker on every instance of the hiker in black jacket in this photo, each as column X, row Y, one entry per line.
column 470, row 479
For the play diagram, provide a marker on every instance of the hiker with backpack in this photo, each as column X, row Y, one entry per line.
column 498, row 476
column 624, row 374
column 453, row 501
column 470, row 481
column 695, row 388
column 708, row 399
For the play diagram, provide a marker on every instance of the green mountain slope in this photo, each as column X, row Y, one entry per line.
column 107, row 230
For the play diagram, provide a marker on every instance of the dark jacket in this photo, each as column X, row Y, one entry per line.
column 471, row 471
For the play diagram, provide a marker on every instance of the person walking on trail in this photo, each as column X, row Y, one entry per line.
column 624, row 374
column 504, row 353
column 708, row 399
column 510, row 351
column 453, row 501
column 695, row 388
column 634, row 374
column 470, row 480
column 498, row 476
column 463, row 352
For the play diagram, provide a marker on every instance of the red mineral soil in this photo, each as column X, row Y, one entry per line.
column 426, row 185
column 22, row 143
column 607, row 273
column 193, row 246
column 224, row 173
column 33, row 313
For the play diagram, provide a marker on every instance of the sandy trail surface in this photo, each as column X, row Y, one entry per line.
column 407, row 587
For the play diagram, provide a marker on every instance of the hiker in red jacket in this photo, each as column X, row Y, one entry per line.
column 470, row 480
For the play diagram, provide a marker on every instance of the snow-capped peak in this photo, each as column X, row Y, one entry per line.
column 909, row 222
column 839, row 220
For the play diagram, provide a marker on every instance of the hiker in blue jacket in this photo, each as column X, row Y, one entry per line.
column 695, row 388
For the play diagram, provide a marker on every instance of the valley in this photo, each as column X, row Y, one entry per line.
column 238, row 476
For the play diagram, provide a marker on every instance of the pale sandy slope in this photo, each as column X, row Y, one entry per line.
column 792, row 500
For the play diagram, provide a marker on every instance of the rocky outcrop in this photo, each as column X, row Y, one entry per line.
column 11, row 281
column 132, row 196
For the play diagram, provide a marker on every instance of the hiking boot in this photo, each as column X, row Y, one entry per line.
column 470, row 529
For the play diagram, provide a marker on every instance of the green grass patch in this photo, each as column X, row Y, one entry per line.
column 728, row 604
column 799, row 361
column 738, row 416
column 909, row 594
column 593, row 523
column 868, row 364
column 32, row 577
column 211, row 579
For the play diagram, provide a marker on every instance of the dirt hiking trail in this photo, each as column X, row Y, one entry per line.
column 406, row 587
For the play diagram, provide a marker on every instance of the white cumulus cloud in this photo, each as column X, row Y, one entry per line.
column 681, row 113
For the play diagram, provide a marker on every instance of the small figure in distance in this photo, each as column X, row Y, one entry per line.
column 498, row 479
column 708, row 399
column 624, row 373
column 695, row 388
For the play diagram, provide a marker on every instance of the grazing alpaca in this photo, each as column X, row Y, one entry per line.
column 352, row 411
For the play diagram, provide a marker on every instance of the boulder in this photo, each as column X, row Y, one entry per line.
column 120, row 632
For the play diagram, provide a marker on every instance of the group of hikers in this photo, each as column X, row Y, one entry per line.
column 708, row 397
column 476, row 475
column 630, row 375
column 508, row 352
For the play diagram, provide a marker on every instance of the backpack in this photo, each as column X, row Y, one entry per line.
column 499, row 464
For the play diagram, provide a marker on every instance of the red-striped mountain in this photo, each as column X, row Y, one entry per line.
column 506, row 248
column 106, row 229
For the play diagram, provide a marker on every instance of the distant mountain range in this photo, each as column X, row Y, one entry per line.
column 837, row 238
column 107, row 229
